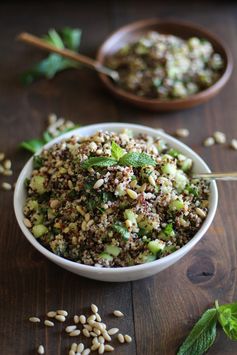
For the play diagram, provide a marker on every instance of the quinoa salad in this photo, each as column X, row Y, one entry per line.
column 166, row 67
column 114, row 199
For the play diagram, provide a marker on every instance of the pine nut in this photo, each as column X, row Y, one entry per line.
column 88, row 327
column 48, row 323
column 120, row 338
column 182, row 132
column 106, row 336
column 96, row 331
column 113, row 331
column 132, row 194
column 91, row 322
column 151, row 180
column 98, row 184
column 74, row 346
column 95, row 341
column 7, row 172
column 86, row 332
column 86, row 351
column 94, row 308
column 76, row 319
column 133, row 183
column 108, row 348
column 233, row 144
column 60, row 318
column 75, row 333
column 118, row 313
column 101, row 349
column 34, row 319
column 219, row 137
column 87, row 217
column 128, row 223
column 41, row 349
column 7, row 164
column 95, row 346
column 51, row 314
column 143, row 187
column 70, row 328
column 98, row 317
column 6, row 186
column 82, row 319
column 80, row 348
column 71, row 352
column 2, row 156
column 200, row 212
column 101, row 339
column 93, row 334
column 92, row 317
column 209, row 142
column 127, row 338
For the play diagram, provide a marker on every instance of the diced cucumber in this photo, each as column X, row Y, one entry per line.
column 169, row 169
column 176, row 205
column 180, row 180
column 32, row 205
column 37, row 184
column 39, row 230
column 131, row 216
column 112, row 250
column 148, row 258
column 105, row 256
column 120, row 191
column 187, row 164
column 37, row 218
column 155, row 246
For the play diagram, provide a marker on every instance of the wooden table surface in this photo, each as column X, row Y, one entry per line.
column 160, row 310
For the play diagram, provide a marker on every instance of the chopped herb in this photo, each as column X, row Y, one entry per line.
column 37, row 162
column 168, row 230
column 173, row 152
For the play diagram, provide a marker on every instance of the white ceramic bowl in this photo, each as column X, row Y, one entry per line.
column 123, row 273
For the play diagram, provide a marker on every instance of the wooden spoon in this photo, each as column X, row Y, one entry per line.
column 216, row 176
column 89, row 62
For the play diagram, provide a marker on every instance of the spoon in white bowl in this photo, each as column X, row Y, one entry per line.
column 216, row 176
column 87, row 61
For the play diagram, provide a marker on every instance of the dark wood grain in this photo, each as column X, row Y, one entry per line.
column 160, row 310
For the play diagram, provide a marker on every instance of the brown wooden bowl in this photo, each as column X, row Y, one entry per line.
column 134, row 31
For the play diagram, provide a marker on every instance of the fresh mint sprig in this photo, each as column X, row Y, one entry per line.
column 203, row 334
column 66, row 38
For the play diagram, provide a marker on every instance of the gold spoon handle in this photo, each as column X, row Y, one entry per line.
column 217, row 176
column 89, row 62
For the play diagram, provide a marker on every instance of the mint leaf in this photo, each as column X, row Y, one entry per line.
column 54, row 38
column 98, row 161
column 32, row 145
column 116, row 151
column 168, row 229
column 227, row 317
column 202, row 335
column 71, row 38
column 122, row 231
column 137, row 160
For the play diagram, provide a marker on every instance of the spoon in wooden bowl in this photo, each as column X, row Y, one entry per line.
column 87, row 61
column 216, row 176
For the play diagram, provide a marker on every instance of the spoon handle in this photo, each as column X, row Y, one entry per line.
column 89, row 62
column 216, row 176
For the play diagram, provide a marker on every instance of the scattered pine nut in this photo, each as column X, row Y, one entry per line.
column 113, row 331
column 95, row 341
column 101, row 339
column 80, row 347
column 88, row 327
column 91, row 322
column 219, row 137
column 62, row 313
column 109, row 348
column 2, row 156
column 75, row 333
column 71, row 352
column 106, row 336
column 101, row 349
column 7, row 164
column 92, row 317
column 209, row 142
column 132, row 194
column 96, row 331
column 7, row 172
column 82, row 319
column 34, row 319
column 48, row 323
column 151, row 180
column 95, row 346
column 51, row 314
column 120, row 338
column 233, row 144
column 182, row 132
column 86, row 351
column 118, row 313
column 127, row 338
column 76, row 319
column 93, row 334
column 6, row 186
column 98, row 184
column 74, row 346
column 41, row 349
column 200, row 212
column 86, row 332
column 60, row 318
column 70, row 328
column 94, row 308
column 98, row 317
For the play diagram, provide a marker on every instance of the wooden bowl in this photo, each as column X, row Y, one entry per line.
column 133, row 32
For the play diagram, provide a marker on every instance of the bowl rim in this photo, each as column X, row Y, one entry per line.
column 202, row 95
column 98, row 270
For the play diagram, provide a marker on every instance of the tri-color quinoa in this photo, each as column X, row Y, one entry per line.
column 112, row 199
column 166, row 67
